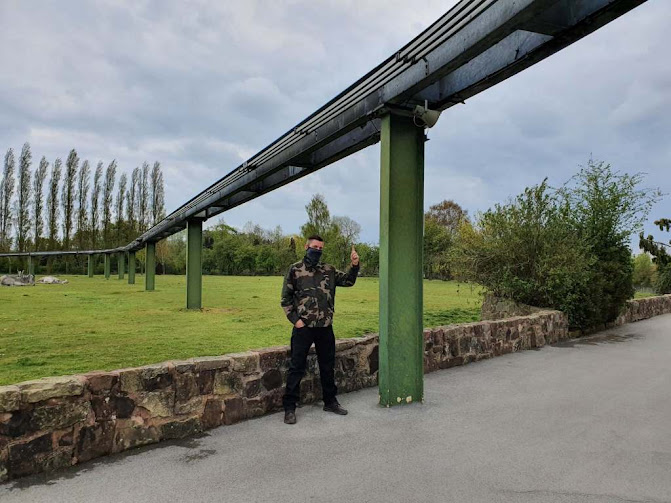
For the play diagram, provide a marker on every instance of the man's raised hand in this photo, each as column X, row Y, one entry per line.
column 354, row 256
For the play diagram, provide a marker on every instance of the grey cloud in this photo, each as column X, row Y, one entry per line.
column 201, row 87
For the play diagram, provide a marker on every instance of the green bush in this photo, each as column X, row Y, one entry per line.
column 565, row 249
column 663, row 283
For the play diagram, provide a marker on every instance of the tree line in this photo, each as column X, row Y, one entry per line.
column 64, row 206
column 254, row 250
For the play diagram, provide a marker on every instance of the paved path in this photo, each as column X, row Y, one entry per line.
column 587, row 422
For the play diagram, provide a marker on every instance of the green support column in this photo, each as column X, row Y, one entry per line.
column 131, row 268
column 150, row 267
column 107, row 266
column 90, row 266
column 194, row 264
column 31, row 265
column 121, row 262
column 401, row 371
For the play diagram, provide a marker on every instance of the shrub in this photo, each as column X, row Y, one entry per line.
column 565, row 249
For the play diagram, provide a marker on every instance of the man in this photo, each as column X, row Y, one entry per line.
column 308, row 298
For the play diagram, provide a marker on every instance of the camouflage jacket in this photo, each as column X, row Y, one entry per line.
column 308, row 292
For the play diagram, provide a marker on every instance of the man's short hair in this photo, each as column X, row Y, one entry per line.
column 316, row 237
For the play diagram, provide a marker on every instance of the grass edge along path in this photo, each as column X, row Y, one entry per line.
column 97, row 324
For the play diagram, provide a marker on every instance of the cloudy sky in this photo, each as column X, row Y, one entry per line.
column 201, row 87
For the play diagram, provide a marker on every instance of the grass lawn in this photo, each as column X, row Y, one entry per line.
column 93, row 324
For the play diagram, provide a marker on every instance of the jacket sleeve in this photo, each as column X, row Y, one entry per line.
column 287, row 301
column 347, row 278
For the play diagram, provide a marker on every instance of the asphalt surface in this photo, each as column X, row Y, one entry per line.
column 589, row 421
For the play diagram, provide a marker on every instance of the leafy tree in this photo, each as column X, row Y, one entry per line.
column 38, row 202
column 6, row 192
column 645, row 273
column 438, row 241
column 83, row 185
column 607, row 208
column 23, row 202
column 68, row 194
column 52, row 203
column 660, row 257
column 447, row 214
column 319, row 217
column 95, row 203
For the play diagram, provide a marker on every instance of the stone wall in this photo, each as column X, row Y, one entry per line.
column 56, row 422
column 642, row 309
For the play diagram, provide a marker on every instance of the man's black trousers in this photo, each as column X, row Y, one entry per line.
column 301, row 340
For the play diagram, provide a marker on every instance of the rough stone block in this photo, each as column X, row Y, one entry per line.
column 10, row 398
column 180, row 429
column 251, row 386
column 94, row 441
column 254, row 407
column 245, row 362
column 275, row 358
column 272, row 379
column 212, row 363
column 233, row 410
column 273, row 399
column 56, row 417
column 158, row 403
column 186, row 387
column 227, row 383
column 130, row 380
column 194, row 406
column 102, row 383
column 156, row 377
column 344, row 344
column 213, row 414
column 15, row 424
column 205, row 381
column 51, row 387
column 23, row 457
column 131, row 435
column 114, row 407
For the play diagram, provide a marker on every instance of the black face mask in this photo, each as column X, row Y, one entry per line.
column 312, row 256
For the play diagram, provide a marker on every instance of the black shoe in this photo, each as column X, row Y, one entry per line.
column 289, row 417
column 335, row 408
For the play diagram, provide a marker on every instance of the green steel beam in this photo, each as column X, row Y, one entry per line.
column 194, row 264
column 90, row 265
column 401, row 372
column 150, row 267
column 121, row 262
column 107, row 266
column 31, row 266
column 131, row 268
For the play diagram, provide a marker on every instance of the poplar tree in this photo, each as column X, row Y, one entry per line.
column 95, row 203
column 52, row 202
column 68, row 194
column 6, row 192
column 143, row 198
column 38, row 206
column 131, row 200
column 108, row 196
column 157, row 194
column 23, row 201
column 83, row 186
column 120, row 199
